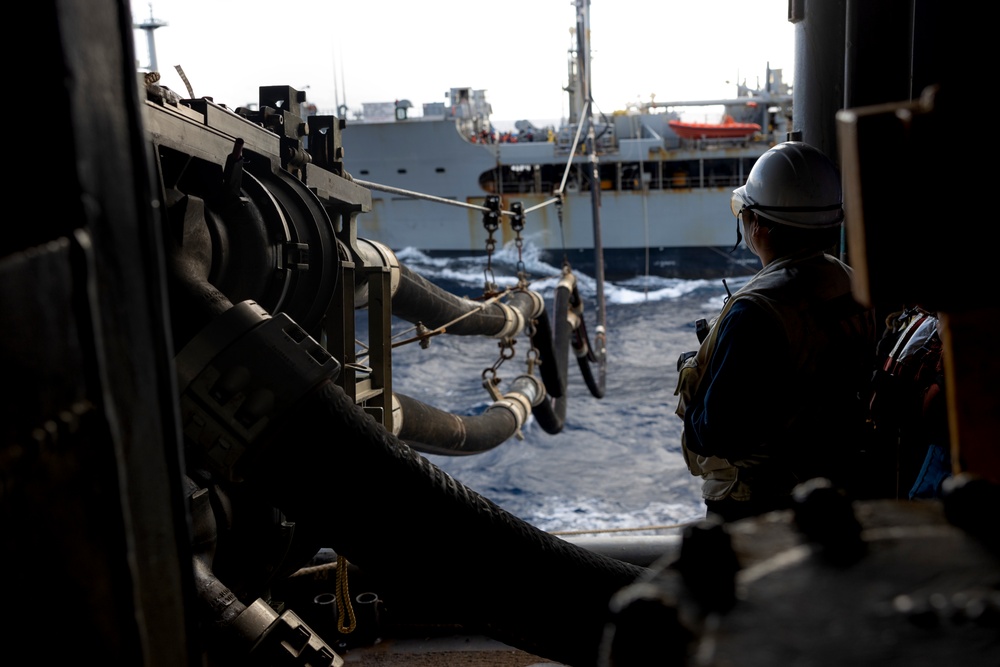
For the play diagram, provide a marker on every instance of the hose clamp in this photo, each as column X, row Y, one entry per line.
column 513, row 321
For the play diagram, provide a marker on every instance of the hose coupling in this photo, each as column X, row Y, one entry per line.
column 240, row 373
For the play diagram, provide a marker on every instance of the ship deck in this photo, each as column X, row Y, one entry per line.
column 447, row 651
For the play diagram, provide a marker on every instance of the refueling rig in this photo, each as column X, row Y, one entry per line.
column 266, row 271
column 188, row 426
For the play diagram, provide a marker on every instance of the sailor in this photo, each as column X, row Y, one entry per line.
column 772, row 397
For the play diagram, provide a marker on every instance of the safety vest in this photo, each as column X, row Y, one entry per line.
column 810, row 295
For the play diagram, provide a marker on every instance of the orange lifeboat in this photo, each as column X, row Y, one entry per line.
column 727, row 129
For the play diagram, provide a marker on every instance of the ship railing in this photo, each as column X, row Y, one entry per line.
column 631, row 182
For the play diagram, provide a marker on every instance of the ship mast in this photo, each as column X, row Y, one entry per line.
column 584, row 82
column 148, row 26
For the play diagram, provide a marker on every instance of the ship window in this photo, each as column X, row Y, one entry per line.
column 400, row 171
column 722, row 173
column 439, row 170
column 364, row 172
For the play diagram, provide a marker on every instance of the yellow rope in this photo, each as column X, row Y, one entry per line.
column 344, row 607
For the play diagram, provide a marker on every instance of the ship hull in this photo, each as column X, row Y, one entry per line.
column 674, row 249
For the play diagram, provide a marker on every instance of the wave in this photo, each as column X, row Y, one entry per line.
column 468, row 275
column 617, row 465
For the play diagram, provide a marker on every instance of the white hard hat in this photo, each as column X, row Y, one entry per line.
column 793, row 184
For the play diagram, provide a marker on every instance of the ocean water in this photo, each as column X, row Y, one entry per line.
column 617, row 465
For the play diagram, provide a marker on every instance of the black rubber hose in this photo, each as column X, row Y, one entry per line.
column 551, row 412
column 584, row 360
column 563, row 333
column 375, row 499
column 419, row 300
column 596, row 390
column 584, row 351
column 551, row 415
column 333, row 468
column 217, row 604
column 194, row 301
column 433, row 431
column 548, row 368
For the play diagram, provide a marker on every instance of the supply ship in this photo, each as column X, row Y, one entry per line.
column 663, row 185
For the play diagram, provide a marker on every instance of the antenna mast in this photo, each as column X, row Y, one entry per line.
column 148, row 26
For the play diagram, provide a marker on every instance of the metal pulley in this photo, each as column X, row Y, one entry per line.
column 491, row 216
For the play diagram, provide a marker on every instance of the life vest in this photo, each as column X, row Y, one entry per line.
column 814, row 308
column 720, row 476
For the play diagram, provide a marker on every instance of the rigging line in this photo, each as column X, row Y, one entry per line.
column 444, row 327
column 314, row 569
column 418, row 195
column 569, row 165
column 343, row 82
column 547, row 202
column 645, row 207
column 634, row 529
column 441, row 329
column 572, row 153
column 336, row 84
column 442, row 200
column 453, row 202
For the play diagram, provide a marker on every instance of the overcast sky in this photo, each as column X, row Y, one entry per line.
column 382, row 50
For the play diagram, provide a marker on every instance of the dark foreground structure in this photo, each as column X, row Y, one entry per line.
column 190, row 445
